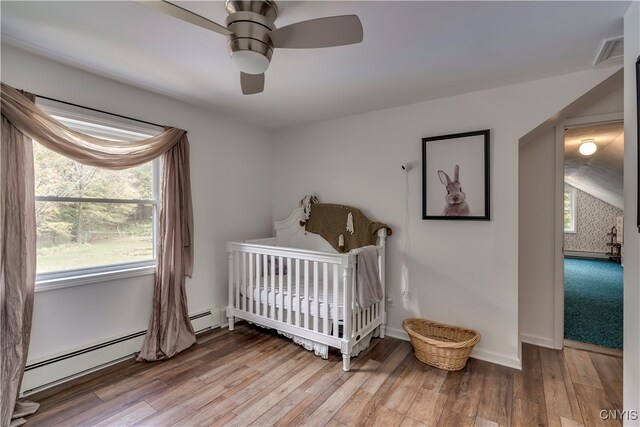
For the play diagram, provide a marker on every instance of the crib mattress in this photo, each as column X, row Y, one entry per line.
column 264, row 294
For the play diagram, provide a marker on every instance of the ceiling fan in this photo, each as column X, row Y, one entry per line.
column 252, row 35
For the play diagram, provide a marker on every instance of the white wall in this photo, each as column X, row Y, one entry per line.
column 460, row 272
column 536, row 238
column 612, row 102
column 228, row 204
column 537, row 180
column 631, row 383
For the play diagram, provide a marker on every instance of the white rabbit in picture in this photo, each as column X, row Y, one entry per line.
column 455, row 198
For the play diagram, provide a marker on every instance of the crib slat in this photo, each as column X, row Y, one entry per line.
column 374, row 311
column 264, row 288
column 264, row 285
column 271, row 296
column 237, row 278
column 325, row 298
column 354, row 306
column 316, row 313
column 260, row 286
column 289, row 295
column 306, row 294
column 335, row 300
column 296, row 319
column 280, row 290
column 255, row 303
column 347, row 304
column 365, row 321
column 243, row 304
column 249, row 294
column 367, row 317
column 231, row 284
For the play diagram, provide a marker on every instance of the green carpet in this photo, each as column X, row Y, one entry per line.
column 593, row 302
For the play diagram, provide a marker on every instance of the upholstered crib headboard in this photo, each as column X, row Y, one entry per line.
column 290, row 233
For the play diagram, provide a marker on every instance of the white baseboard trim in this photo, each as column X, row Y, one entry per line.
column 537, row 340
column 497, row 358
column 48, row 371
column 478, row 353
column 396, row 333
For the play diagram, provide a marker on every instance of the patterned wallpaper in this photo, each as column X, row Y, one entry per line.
column 594, row 219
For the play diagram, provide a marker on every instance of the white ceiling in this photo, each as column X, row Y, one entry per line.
column 412, row 51
column 600, row 174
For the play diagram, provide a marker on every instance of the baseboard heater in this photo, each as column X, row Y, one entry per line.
column 585, row 254
column 45, row 373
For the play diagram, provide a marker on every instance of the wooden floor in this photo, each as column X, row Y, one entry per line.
column 253, row 377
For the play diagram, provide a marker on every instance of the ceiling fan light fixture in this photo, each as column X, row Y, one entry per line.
column 252, row 35
column 250, row 62
column 588, row 147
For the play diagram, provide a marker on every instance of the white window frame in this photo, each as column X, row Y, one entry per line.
column 572, row 209
column 126, row 129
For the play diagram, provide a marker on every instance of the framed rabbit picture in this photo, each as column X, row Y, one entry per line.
column 455, row 176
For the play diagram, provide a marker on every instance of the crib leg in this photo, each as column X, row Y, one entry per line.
column 382, row 330
column 346, row 362
column 231, row 320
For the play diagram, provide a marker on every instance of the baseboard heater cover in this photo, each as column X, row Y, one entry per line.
column 585, row 254
column 55, row 370
column 83, row 351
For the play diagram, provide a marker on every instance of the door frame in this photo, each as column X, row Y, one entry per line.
column 558, row 323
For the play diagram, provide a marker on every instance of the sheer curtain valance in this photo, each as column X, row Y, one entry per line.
column 89, row 150
column 170, row 329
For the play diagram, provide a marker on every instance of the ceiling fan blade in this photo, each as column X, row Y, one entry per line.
column 251, row 83
column 186, row 15
column 322, row 32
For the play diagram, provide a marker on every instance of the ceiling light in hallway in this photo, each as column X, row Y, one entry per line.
column 588, row 147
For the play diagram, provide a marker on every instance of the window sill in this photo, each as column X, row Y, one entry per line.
column 87, row 279
column 570, row 232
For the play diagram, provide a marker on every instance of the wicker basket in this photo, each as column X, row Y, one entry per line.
column 443, row 346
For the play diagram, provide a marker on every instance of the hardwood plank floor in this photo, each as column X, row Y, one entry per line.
column 254, row 377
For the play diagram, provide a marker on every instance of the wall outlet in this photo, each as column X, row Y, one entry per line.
column 389, row 302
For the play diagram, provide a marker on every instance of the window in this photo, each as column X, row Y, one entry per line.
column 93, row 222
column 569, row 210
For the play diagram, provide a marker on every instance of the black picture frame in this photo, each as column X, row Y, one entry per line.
column 638, row 139
column 439, row 200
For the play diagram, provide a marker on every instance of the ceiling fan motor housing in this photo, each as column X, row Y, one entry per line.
column 250, row 22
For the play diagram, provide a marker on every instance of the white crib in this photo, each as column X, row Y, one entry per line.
column 299, row 285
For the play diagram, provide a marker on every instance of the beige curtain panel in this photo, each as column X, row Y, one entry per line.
column 170, row 329
column 17, row 268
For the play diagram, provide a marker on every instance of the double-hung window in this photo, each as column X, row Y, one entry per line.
column 94, row 224
column 569, row 210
